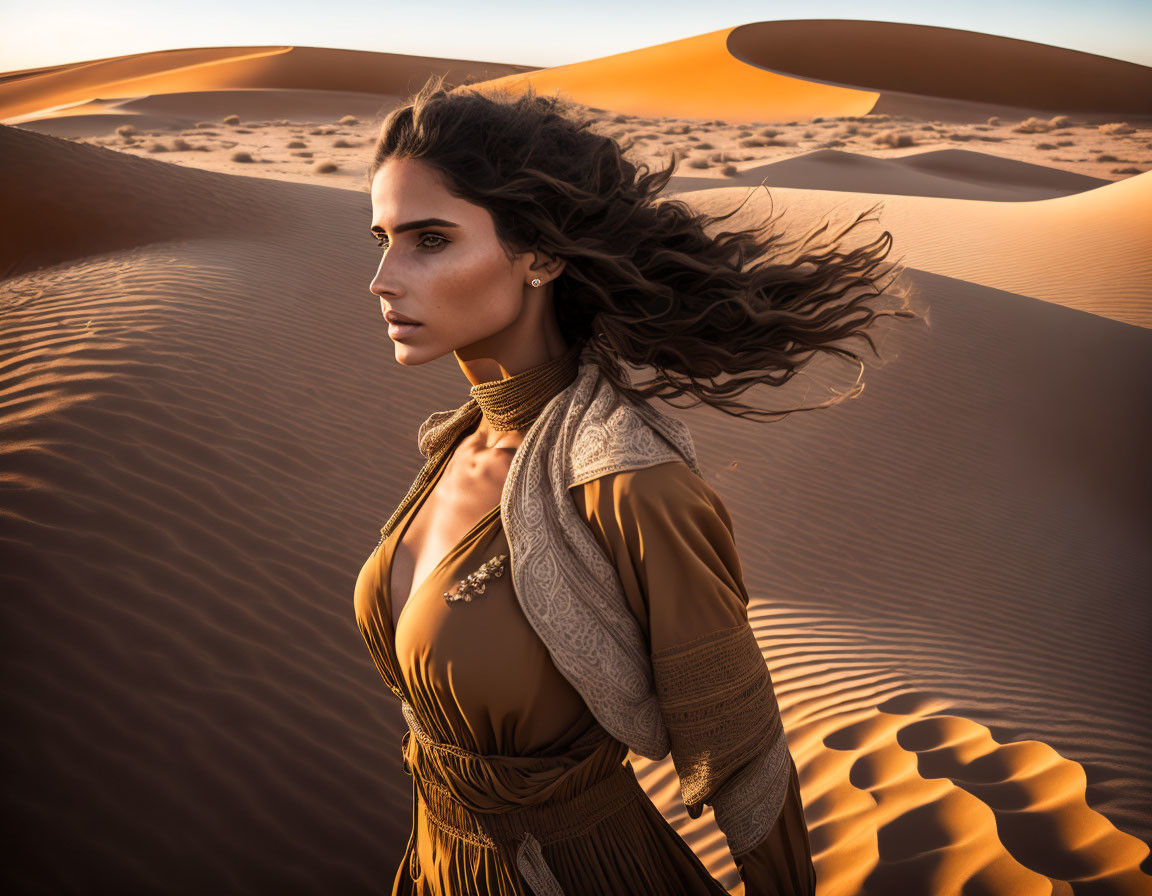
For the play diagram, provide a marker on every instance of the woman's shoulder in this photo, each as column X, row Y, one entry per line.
column 667, row 488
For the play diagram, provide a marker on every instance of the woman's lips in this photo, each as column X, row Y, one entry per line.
column 399, row 331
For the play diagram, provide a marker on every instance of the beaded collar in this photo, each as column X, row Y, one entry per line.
column 514, row 402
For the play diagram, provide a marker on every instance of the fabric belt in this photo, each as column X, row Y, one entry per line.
column 519, row 833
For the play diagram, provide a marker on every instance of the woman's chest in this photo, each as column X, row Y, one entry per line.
column 462, row 496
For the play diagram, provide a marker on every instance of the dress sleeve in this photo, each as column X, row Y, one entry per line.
column 671, row 540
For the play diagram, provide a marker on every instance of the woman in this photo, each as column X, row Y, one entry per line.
column 560, row 584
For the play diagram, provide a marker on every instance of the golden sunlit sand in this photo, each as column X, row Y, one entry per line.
column 204, row 428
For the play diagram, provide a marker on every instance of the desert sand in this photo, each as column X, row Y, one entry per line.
column 203, row 428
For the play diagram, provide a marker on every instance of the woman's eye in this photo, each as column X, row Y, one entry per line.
column 381, row 241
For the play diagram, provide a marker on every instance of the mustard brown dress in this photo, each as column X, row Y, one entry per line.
column 496, row 732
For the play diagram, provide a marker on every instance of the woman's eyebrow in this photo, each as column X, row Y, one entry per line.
column 412, row 225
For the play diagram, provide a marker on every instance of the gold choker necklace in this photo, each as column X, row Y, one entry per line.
column 514, row 402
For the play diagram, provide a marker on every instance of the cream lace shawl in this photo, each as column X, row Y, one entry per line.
column 711, row 703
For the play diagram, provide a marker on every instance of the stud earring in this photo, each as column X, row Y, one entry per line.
column 536, row 282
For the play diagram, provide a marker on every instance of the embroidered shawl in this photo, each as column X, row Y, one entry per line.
column 710, row 701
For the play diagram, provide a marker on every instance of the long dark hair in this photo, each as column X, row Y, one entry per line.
column 644, row 283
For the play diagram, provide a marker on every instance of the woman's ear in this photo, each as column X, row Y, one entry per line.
column 543, row 263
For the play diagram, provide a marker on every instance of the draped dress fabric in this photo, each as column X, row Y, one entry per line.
column 500, row 734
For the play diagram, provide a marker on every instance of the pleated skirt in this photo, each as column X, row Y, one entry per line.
column 622, row 845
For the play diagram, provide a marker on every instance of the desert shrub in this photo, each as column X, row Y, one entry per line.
column 343, row 144
column 126, row 130
column 232, row 119
column 157, row 146
column 324, row 166
column 893, row 139
column 1117, row 127
column 242, row 155
column 296, row 144
column 994, row 122
column 728, row 170
column 349, row 119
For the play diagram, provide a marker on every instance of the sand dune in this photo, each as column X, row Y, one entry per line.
column 772, row 71
column 903, row 61
column 1088, row 251
column 232, row 68
column 201, row 410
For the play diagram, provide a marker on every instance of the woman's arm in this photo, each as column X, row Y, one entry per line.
column 670, row 539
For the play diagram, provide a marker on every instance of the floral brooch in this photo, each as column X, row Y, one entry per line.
column 477, row 581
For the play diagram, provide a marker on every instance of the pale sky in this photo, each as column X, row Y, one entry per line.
column 46, row 32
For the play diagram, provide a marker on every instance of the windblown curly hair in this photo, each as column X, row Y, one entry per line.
column 645, row 282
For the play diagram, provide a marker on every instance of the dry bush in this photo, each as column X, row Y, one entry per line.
column 959, row 138
column 242, row 156
column 705, row 146
column 231, row 119
column 752, row 142
column 1106, row 157
column 181, row 145
column 1117, row 127
column 344, row 144
column 1130, row 170
column 1065, row 142
column 157, row 146
column 324, row 166
column 994, row 122
column 769, row 132
column 728, row 170
column 303, row 155
column 126, row 130
column 349, row 119
column 296, row 144
column 1059, row 121
column 699, row 162
column 1032, row 125
column 893, row 139
column 808, row 135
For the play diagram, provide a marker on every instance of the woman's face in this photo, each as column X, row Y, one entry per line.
column 450, row 275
